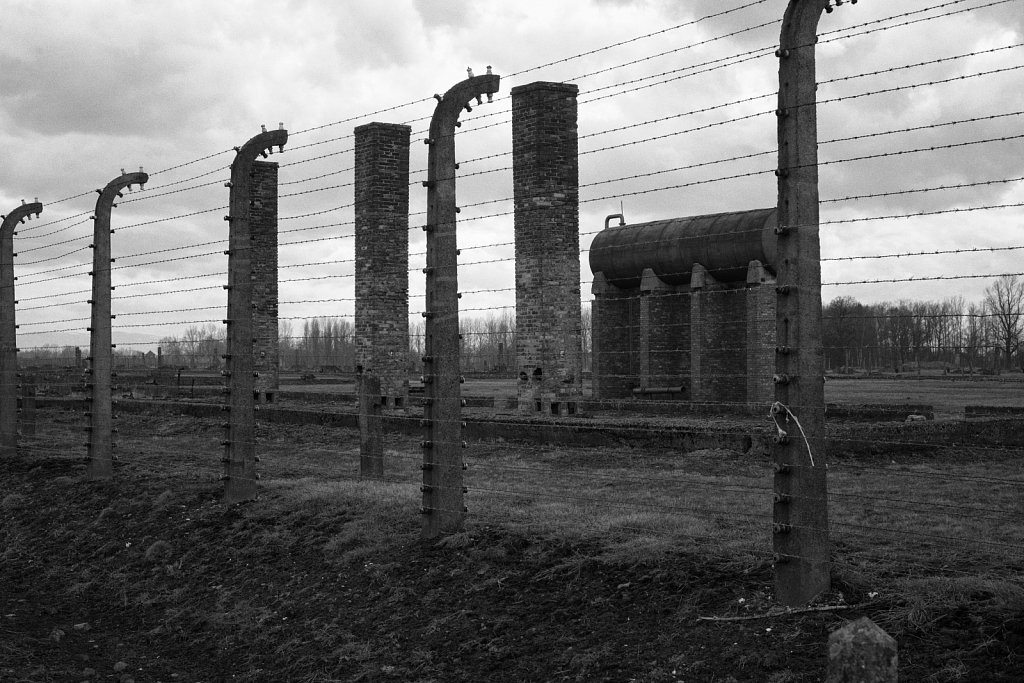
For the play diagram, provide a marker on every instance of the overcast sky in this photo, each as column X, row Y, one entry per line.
column 88, row 88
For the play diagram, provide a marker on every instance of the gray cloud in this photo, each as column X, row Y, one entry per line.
column 84, row 92
column 447, row 13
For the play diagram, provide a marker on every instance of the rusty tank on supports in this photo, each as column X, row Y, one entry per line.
column 724, row 243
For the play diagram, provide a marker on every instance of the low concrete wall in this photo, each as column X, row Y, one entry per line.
column 971, row 412
column 878, row 412
column 857, row 439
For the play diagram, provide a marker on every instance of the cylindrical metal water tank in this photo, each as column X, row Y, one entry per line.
column 724, row 243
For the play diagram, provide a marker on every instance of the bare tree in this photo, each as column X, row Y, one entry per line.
column 416, row 339
column 172, row 352
column 212, row 345
column 192, row 342
column 837, row 330
column 920, row 315
column 974, row 333
column 286, row 344
column 953, row 329
column 1004, row 302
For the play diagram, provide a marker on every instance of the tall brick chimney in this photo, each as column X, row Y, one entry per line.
column 382, row 257
column 263, row 230
column 545, row 163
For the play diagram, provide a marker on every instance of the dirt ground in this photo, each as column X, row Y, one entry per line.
column 149, row 577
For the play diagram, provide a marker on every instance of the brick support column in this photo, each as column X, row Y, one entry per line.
column 616, row 321
column 698, row 280
column 718, row 342
column 549, row 347
column 760, row 338
column 667, row 333
column 263, row 226
column 644, row 341
column 382, row 256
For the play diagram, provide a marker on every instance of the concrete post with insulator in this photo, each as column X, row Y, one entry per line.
column 240, row 477
column 9, row 328
column 443, row 496
column 100, row 369
column 800, row 510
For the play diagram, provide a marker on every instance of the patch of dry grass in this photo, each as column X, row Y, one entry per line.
column 921, row 535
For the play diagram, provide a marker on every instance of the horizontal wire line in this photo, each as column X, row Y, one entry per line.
column 394, row 107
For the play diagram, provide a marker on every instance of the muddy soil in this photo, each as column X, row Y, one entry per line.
column 149, row 577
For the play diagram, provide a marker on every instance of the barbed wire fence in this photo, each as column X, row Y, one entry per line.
column 894, row 191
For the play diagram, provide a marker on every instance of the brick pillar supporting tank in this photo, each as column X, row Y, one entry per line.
column 760, row 343
column 549, row 349
column 616, row 330
column 732, row 345
column 718, row 315
column 703, row 286
column 665, row 338
column 382, row 257
column 263, row 227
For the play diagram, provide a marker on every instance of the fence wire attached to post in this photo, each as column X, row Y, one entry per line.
column 443, row 497
column 8, row 328
column 240, row 478
column 101, row 409
column 800, row 512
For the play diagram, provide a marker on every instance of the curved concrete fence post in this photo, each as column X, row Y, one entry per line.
column 443, row 507
column 800, row 510
column 240, row 477
column 9, row 328
column 101, row 418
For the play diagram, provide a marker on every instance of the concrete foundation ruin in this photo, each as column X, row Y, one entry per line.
column 684, row 309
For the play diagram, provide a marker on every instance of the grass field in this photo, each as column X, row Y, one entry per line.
column 949, row 394
column 606, row 563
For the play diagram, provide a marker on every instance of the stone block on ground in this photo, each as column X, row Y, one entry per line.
column 861, row 652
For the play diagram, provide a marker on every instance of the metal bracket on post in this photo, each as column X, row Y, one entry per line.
column 443, row 499
column 8, row 329
column 101, row 418
column 240, row 478
column 800, row 511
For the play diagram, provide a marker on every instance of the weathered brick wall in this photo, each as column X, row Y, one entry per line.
column 670, row 338
column 615, row 315
column 263, row 230
column 761, row 302
column 545, row 163
column 664, row 349
column 718, row 337
column 715, row 340
column 382, row 256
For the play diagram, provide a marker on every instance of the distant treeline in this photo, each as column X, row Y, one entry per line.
column 902, row 336
column 909, row 335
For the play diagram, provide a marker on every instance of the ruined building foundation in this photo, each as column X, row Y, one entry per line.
column 549, row 349
column 382, row 257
